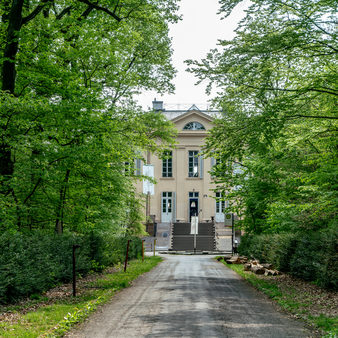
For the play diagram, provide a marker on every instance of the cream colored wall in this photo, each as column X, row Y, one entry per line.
column 180, row 182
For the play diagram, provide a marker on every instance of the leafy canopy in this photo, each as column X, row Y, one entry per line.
column 277, row 89
column 68, row 120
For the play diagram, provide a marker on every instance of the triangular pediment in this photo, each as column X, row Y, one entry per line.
column 193, row 114
column 186, row 122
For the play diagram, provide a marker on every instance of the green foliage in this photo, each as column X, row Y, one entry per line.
column 34, row 262
column 69, row 124
column 311, row 256
column 277, row 88
column 54, row 320
column 327, row 324
column 68, row 120
column 75, row 317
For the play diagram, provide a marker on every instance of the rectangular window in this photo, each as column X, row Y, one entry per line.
column 167, row 164
column 193, row 164
column 220, row 203
column 193, row 194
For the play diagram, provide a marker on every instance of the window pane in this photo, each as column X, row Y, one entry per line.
column 169, row 205
column 193, row 163
column 167, row 164
column 193, row 126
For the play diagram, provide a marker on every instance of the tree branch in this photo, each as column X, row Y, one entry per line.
column 316, row 117
column 304, row 90
column 33, row 191
column 112, row 14
column 63, row 12
column 35, row 12
column 85, row 13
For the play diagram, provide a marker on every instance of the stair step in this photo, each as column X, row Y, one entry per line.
column 203, row 243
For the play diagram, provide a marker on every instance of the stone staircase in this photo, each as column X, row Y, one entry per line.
column 181, row 240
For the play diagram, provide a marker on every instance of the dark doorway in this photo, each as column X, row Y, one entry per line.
column 193, row 207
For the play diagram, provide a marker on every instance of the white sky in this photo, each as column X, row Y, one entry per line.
column 192, row 38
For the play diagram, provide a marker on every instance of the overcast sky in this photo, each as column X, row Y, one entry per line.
column 192, row 38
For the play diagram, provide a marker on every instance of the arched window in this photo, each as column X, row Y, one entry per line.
column 194, row 126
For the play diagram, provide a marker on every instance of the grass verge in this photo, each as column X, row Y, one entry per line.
column 54, row 320
column 297, row 302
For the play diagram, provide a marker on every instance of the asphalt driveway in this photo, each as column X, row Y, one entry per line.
column 190, row 296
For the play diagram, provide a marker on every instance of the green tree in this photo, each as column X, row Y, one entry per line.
column 277, row 85
column 67, row 116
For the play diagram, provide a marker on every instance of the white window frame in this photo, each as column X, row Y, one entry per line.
column 166, row 163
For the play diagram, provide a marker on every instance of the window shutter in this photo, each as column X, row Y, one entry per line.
column 213, row 162
column 201, row 166
column 174, row 207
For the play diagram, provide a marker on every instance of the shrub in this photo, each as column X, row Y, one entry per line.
column 32, row 263
column 310, row 256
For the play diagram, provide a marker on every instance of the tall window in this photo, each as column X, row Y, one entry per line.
column 193, row 163
column 220, row 203
column 167, row 201
column 167, row 164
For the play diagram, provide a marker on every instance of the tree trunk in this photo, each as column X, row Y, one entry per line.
column 11, row 48
column 61, row 204
column 8, row 78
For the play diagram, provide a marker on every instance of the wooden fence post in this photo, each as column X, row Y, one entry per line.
column 125, row 263
column 75, row 246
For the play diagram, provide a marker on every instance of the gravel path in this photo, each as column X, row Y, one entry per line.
column 189, row 296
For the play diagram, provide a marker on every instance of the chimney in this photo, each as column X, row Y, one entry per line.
column 157, row 105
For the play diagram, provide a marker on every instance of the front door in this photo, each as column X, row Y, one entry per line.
column 167, row 207
column 193, row 204
column 220, row 208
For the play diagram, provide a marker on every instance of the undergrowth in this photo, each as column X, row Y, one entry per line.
column 54, row 320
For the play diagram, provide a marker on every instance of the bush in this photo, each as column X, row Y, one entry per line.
column 310, row 256
column 33, row 263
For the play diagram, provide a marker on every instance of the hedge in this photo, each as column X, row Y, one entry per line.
column 310, row 256
column 35, row 262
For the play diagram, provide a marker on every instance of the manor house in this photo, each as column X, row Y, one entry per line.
column 184, row 185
